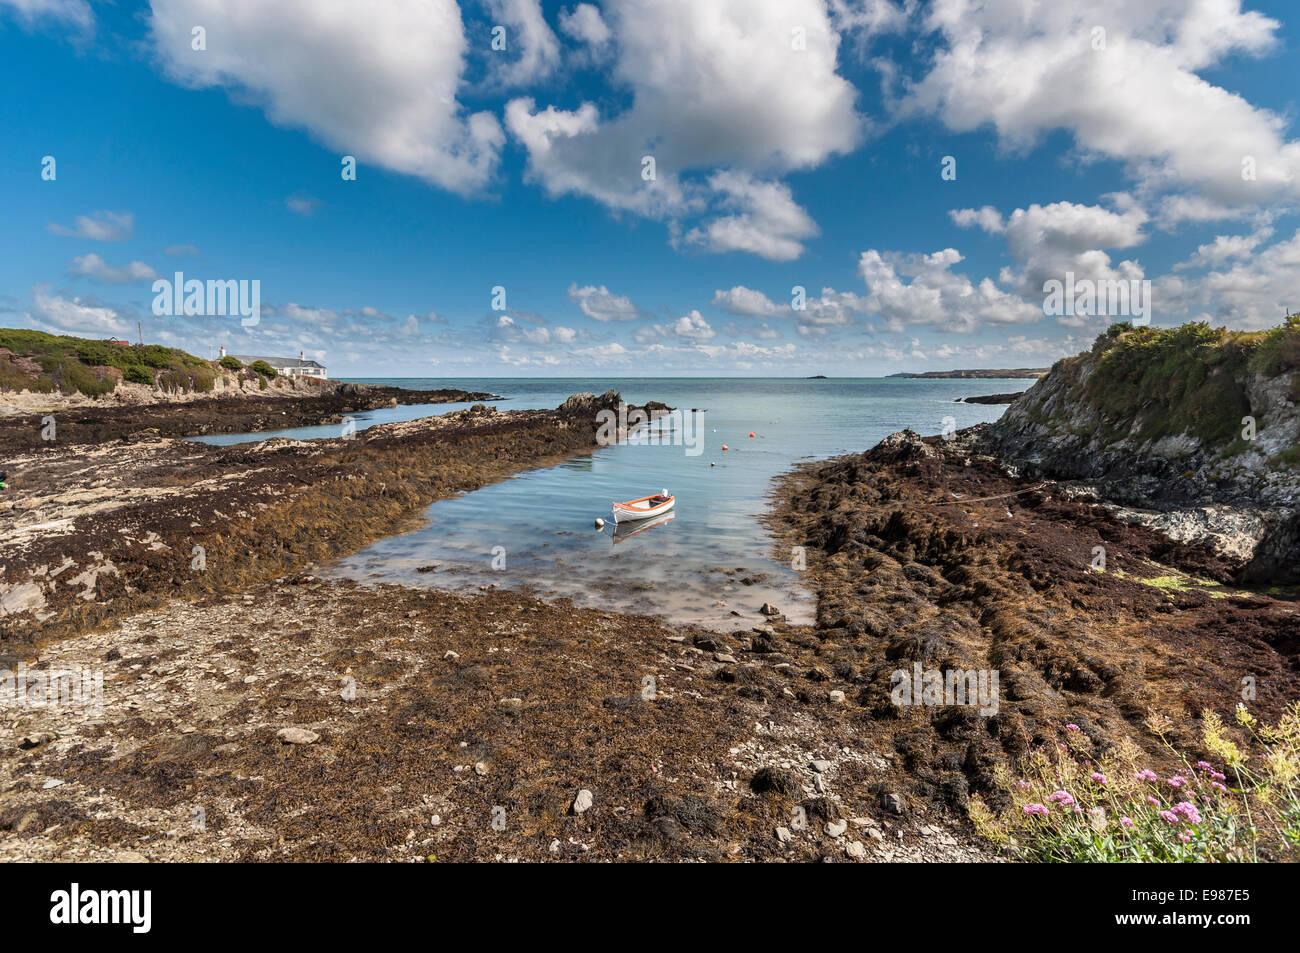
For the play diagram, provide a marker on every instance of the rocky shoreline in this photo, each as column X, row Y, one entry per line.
column 252, row 711
column 233, row 412
column 927, row 553
column 307, row 720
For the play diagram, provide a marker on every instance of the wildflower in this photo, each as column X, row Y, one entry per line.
column 1204, row 766
column 1169, row 816
column 1061, row 798
column 1215, row 775
column 1153, row 801
column 1098, row 777
column 1126, row 821
column 1185, row 837
column 1072, row 727
column 1023, row 785
column 1147, row 775
column 1177, row 781
column 1188, row 810
column 1218, row 787
column 1032, row 809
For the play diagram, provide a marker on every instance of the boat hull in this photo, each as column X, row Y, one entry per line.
column 640, row 510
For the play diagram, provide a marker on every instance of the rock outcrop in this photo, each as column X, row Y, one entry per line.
column 1198, row 427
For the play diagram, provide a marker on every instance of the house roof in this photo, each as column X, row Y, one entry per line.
column 277, row 362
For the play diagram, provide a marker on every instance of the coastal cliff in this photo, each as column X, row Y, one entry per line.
column 1196, row 431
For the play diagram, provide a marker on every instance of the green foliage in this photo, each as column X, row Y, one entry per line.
column 231, row 363
column 1190, row 379
column 263, row 368
column 70, row 364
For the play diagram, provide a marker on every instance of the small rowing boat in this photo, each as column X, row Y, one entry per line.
column 644, row 508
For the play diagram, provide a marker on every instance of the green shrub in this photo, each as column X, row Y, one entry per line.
column 231, row 363
column 69, row 364
column 263, row 368
column 139, row 375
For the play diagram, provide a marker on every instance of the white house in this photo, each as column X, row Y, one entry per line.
column 287, row 366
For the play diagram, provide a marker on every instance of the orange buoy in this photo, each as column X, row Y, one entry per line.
column 751, row 433
column 724, row 446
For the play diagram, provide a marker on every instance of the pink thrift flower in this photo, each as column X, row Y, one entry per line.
column 1218, row 787
column 1204, row 766
column 1185, row 837
column 1071, row 727
column 1154, row 802
column 1177, row 781
column 1147, row 775
column 1126, row 821
column 1098, row 777
column 1188, row 810
column 1061, row 798
column 1023, row 785
column 1217, row 776
column 1032, row 809
column 1169, row 816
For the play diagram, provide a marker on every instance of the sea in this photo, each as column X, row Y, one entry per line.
column 713, row 562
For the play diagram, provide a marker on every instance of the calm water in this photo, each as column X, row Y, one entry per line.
column 534, row 531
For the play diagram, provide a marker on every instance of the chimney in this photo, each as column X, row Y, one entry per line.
column 301, row 355
column 223, row 350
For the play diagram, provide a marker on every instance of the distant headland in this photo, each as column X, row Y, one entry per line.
column 1026, row 372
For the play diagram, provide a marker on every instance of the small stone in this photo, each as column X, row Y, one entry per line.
column 856, row 849
column 52, row 783
column 451, row 655
column 893, row 803
column 480, row 768
column 582, row 803
column 724, row 657
column 820, row 766
column 768, row 609
column 297, row 736
column 435, row 820
column 249, row 679
column 783, row 835
column 837, row 696
column 555, row 846
column 836, row 828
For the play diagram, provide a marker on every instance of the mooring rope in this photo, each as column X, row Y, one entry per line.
column 999, row 496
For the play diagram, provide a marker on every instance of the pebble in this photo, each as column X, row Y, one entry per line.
column 451, row 655
column 783, row 835
column 837, row 696
column 52, row 783
column 297, row 736
column 723, row 657
column 821, row 766
column 856, row 849
column 836, row 828
column 582, row 803
column 480, row 768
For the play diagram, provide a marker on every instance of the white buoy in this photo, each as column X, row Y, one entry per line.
column 600, row 523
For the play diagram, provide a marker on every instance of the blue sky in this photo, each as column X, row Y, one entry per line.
column 796, row 143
